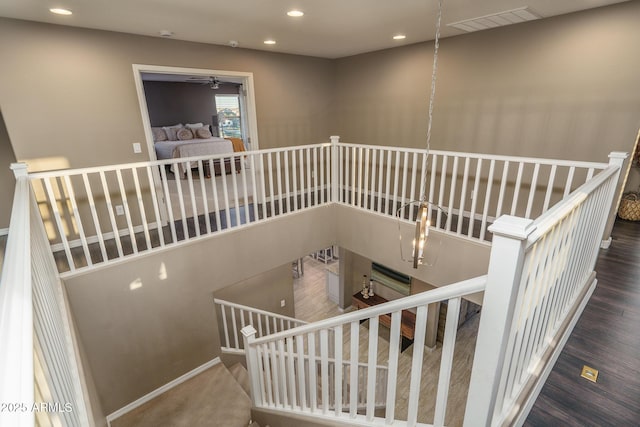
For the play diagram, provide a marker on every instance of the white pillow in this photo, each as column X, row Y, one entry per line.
column 171, row 131
column 194, row 125
column 158, row 134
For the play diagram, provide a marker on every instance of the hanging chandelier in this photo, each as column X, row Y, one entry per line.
column 426, row 209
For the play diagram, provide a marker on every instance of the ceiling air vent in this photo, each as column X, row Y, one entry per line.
column 495, row 20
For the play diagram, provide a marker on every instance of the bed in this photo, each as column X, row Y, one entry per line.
column 172, row 149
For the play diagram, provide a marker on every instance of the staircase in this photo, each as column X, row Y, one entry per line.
column 217, row 397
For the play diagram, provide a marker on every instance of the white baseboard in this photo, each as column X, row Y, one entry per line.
column 4, row 232
column 157, row 392
column 605, row 243
column 105, row 236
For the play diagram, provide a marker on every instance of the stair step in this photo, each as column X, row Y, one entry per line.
column 241, row 375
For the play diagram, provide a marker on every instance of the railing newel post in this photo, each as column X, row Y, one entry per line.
column 510, row 236
column 616, row 158
column 253, row 368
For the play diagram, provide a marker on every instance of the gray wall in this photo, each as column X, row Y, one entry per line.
column 564, row 87
column 136, row 339
column 171, row 103
column 81, row 101
column 7, row 181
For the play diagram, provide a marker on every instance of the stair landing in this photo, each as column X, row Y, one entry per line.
column 212, row 398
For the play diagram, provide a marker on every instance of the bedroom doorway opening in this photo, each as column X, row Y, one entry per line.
column 222, row 102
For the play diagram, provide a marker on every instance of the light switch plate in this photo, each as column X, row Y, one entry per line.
column 137, row 148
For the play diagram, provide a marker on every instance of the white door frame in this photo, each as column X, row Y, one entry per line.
column 251, row 121
column 247, row 84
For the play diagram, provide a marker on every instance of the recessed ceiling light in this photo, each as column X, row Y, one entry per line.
column 270, row 41
column 399, row 37
column 59, row 11
column 295, row 13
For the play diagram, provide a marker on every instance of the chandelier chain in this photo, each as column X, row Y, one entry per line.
column 431, row 100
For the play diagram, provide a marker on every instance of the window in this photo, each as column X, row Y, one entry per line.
column 229, row 116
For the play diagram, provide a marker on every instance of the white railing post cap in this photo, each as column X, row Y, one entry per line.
column 334, row 138
column 248, row 331
column 618, row 155
column 19, row 169
column 513, row 226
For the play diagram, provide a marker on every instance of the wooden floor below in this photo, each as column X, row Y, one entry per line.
column 607, row 338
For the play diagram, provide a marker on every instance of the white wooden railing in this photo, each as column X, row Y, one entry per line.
column 284, row 378
column 97, row 215
column 40, row 382
column 236, row 316
column 474, row 189
column 541, row 275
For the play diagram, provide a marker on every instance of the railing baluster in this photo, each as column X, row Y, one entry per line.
column 214, row 194
column 396, row 184
column 225, row 194
column 443, row 179
column 474, row 200
column 503, row 186
column 303, row 202
column 254, row 187
column 282, row 377
column 380, row 176
column 324, row 369
column 203, row 193
column 353, row 176
column 302, row 383
column 287, row 187
column 463, row 196
column 294, row 175
column 313, row 372
column 361, row 166
column 279, row 183
column 532, row 190
column 143, row 214
column 127, row 212
column 432, row 182
column 547, row 196
column 291, row 374
column 516, row 189
column 567, row 187
column 58, row 220
column 338, row 374
column 405, row 167
column 236, row 198
column 372, row 361
column 112, row 218
column 167, row 197
column 487, row 200
column 194, row 204
column 310, row 201
column 225, row 327
column 235, row 328
column 315, row 172
column 78, row 220
column 353, row 368
column 372, row 192
column 387, row 186
column 452, row 193
column 365, row 185
column 394, row 344
column 245, row 190
column 269, row 373
column 416, row 365
column 412, row 191
column 183, row 217
column 446, row 360
column 156, row 206
column 94, row 216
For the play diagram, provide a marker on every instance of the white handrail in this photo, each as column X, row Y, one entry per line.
column 16, row 313
column 465, row 287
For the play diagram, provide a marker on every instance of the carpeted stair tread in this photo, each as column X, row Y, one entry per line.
column 241, row 375
column 212, row 398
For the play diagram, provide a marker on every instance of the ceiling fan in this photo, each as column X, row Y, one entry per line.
column 212, row 81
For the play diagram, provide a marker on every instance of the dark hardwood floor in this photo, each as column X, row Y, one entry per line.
column 607, row 338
